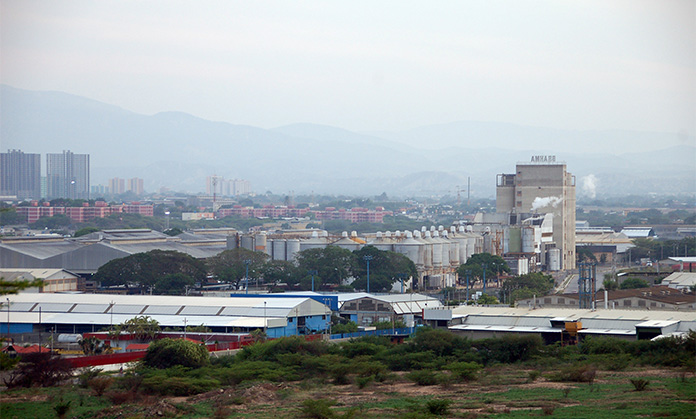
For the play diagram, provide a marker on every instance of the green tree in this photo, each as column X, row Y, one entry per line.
column 84, row 231
column 279, row 271
column 632, row 282
column 93, row 346
column 13, row 287
column 140, row 327
column 145, row 269
column 385, row 268
column 56, row 221
column 583, row 254
column 173, row 284
column 9, row 216
column 229, row 266
column 495, row 265
column 526, row 286
column 332, row 264
column 167, row 353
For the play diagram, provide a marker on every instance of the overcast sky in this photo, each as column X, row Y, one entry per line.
column 369, row 65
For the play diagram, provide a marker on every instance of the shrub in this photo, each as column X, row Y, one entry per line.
column 86, row 375
column 576, row 373
column 7, row 362
column 350, row 327
column 423, row 377
column 618, row 362
column 464, row 371
column 602, row 345
column 178, row 386
column 547, row 410
column 363, row 382
column 39, row 369
column 438, row 407
column 533, row 375
column 639, row 384
column 99, row 385
column 317, row 409
column 166, row 353
column 508, row 349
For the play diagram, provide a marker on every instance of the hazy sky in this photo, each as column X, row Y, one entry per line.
column 366, row 65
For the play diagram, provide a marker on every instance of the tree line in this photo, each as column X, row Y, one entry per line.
column 171, row 272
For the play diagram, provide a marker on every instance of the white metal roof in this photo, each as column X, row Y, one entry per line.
column 155, row 305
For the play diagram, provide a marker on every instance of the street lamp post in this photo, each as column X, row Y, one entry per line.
column 264, row 317
column 312, row 272
column 246, row 276
column 468, row 275
column 483, row 265
column 368, row 258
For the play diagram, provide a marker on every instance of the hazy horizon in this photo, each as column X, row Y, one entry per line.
column 367, row 67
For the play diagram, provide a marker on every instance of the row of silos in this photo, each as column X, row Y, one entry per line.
column 431, row 250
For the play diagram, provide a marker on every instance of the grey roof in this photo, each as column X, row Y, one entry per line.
column 42, row 250
column 123, row 234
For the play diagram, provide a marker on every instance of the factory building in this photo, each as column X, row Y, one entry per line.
column 542, row 186
column 559, row 324
column 81, row 313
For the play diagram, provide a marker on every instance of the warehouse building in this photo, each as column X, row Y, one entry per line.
column 80, row 313
column 557, row 324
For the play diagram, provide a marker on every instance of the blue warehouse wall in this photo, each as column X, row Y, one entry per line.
column 16, row 328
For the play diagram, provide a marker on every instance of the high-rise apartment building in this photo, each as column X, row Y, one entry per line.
column 117, row 186
column 67, row 175
column 20, row 174
column 543, row 186
column 135, row 185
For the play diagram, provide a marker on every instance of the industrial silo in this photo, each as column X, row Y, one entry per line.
column 279, row 249
column 554, row 259
column 292, row 249
column 248, row 242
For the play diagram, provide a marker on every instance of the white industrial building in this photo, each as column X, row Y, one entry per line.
column 79, row 313
column 551, row 323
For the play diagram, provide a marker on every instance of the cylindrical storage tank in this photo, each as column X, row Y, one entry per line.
column 444, row 249
column 231, row 242
column 260, row 242
column 437, row 251
column 279, row 249
column 470, row 247
column 292, row 249
column 427, row 250
column 555, row 259
column 411, row 249
column 454, row 252
column 528, row 240
column 248, row 242
column 69, row 338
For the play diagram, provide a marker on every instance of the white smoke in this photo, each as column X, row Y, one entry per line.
column 589, row 186
column 549, row 201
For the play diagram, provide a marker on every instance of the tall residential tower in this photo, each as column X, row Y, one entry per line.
column 67, row 175
column 20, row 174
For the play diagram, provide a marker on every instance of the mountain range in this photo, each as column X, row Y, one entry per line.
column 178, row 150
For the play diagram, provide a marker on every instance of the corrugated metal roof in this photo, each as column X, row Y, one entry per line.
column 163, row 320
column 157, row 309
column 90, row 308
column 499, row 328
column 42, row 250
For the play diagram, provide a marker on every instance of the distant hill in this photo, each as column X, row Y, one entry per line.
column 178, row 150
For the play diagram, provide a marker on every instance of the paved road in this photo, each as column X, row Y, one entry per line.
column 570, row 283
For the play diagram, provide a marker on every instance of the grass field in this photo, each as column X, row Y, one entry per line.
column 508, row 391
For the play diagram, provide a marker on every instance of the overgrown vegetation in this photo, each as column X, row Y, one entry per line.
column 312, row 371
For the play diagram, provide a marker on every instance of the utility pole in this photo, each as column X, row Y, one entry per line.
column 368, row 258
